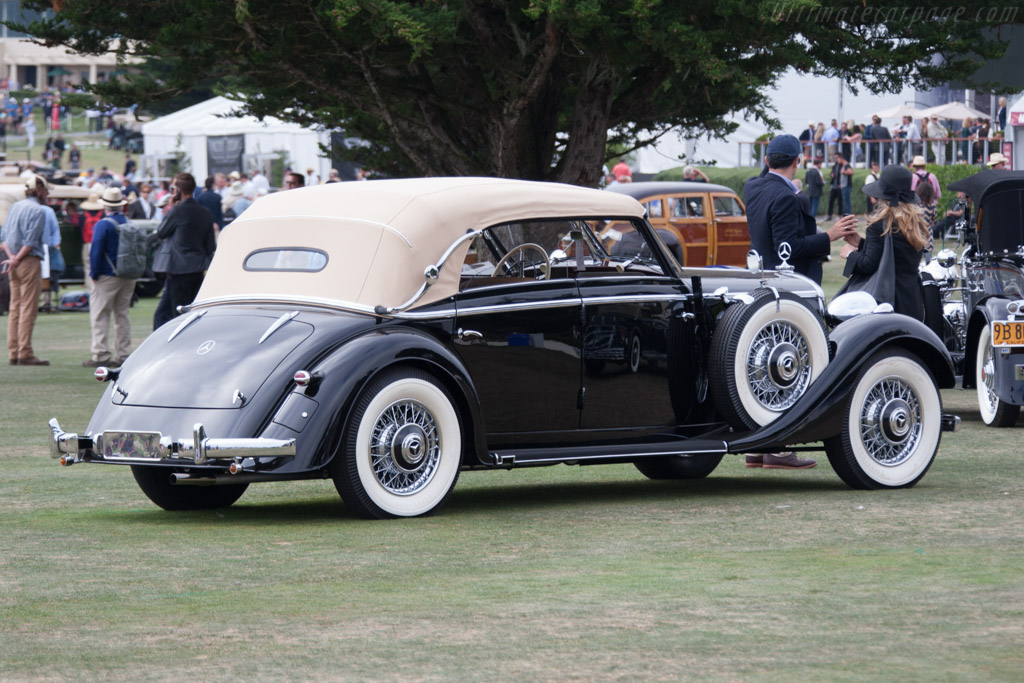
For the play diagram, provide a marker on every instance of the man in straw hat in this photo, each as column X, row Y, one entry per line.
column 923, row 175
column 111, row 295
column 22, row 245
column 998, row 162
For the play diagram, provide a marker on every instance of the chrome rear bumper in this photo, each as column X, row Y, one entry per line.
column 153, row 447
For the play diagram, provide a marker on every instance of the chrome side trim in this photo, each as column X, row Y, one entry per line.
column 511, row 460
column 443, row 313
column 192, row 317
column 334, row 219
column 634, row 298
column 319, row 302
column 522, row 306
column 277, row 325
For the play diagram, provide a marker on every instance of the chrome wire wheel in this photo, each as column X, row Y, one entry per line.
column 892, row 427
column 405, row 447
column 402, row 447
column 890, row 422
column 778, row 366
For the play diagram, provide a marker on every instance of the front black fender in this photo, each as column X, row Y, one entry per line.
column 1006, row 386
column 344, row 373
column 992, row 308
column 820, row 412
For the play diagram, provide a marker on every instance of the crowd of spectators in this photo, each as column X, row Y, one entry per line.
column 861, row 144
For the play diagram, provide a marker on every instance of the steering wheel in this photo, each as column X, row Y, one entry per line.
column 546, row 268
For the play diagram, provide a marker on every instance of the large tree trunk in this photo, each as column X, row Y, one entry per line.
column 584, row 152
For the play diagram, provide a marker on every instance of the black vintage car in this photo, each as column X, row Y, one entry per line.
column 978, row 296
column 391, row 334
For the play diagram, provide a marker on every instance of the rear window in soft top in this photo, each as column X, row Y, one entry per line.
column 290, row 259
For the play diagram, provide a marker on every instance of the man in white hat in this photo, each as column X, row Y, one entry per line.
column 111, row 295
column 997, row 162
column 21, row 241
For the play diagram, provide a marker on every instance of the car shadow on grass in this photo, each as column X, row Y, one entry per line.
column 630, row 492
column 486, row 497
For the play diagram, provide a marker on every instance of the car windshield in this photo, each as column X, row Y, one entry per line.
column 553, row 249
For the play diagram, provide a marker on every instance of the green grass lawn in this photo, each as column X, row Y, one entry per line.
column 560, row 573
column 93, row 146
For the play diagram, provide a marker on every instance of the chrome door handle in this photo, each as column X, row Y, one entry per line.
column 469, row 335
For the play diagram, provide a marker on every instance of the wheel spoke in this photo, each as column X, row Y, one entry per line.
column 778, row 365
column 399, row 472
column 890, row 421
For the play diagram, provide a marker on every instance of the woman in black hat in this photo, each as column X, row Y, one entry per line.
column 898, row 210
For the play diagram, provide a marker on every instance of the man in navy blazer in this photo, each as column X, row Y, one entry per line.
column 774, row 214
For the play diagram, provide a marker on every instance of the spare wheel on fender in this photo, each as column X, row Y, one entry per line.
column 763, row 357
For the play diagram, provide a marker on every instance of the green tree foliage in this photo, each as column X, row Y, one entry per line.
column 516, row 88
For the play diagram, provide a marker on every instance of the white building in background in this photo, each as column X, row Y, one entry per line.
column 797, row 99
column 25, row 64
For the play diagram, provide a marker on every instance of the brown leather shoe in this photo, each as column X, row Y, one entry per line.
column 32, row 361
column 786, row 461
column 95, row 363
column 755, row 460
column 13, row 361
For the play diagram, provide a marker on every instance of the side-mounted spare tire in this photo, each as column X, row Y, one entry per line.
column 763, row 357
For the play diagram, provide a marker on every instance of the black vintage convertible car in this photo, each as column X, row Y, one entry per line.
column 391, row 334
column 977, row 295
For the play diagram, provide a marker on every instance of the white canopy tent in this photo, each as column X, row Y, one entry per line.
column 953, row 111
column 189, row 131
column 896, row 113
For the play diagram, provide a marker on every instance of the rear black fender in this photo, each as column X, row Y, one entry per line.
column 341, row 376
column 819, row 412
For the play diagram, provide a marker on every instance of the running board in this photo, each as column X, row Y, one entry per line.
column 511, row 457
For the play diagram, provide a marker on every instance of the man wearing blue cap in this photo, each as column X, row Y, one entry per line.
column 774, row 214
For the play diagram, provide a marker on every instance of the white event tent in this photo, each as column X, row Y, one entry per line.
column 190, row 130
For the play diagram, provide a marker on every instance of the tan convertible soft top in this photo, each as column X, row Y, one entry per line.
column 380, row 235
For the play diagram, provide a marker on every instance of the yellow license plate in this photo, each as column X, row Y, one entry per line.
column 1008, row 333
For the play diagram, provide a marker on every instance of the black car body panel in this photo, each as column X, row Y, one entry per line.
column 988, row 279
column 526, row 344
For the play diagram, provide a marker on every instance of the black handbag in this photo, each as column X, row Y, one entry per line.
column 880, row 284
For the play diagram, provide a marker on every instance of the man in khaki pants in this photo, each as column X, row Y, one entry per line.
column 111, row 295
column 22, row 241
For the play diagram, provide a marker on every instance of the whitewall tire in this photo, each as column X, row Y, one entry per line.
column 402, row 448
column 764, row 356
column 892, row 426
column 994, row 412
